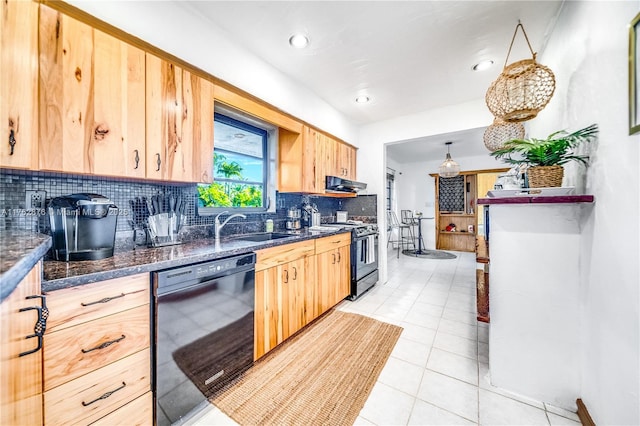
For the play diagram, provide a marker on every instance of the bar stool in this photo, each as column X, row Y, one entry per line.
column 405, row 235
column 407, row 218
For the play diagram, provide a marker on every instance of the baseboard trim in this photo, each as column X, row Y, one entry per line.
column 583, row 413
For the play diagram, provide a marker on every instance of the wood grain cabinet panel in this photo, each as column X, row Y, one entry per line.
column 75, row 351
column 77, row 305
column 94, row 395
column 92, row 108
column 279, row 255
column 284, row 283
column 332, row 270
column 306, row 159
column 179, row 119
column 138, row 412
column 20, row 376
column 19, row 84
column 97, row 354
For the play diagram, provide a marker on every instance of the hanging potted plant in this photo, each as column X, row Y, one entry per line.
column 545, row 157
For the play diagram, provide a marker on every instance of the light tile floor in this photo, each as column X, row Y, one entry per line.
column 438, row 372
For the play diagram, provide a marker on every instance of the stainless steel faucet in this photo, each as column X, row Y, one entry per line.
column 218, row 227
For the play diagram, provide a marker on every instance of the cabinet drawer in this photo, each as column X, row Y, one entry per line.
column 94, row 395
column 75, row 351
column 332, row 242
column 138, row 412
column 279, row 255
column 75, row 305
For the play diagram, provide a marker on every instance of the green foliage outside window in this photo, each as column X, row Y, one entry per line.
column 228, row 192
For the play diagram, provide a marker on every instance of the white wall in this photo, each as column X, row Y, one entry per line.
column 203, row 45
column 588, row 52
column 373, row 137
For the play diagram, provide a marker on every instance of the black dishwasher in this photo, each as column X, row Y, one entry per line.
column 203, row 332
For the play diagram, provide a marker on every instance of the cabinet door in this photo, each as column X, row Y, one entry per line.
column 116, row 142
column 266, row 311
column 20, row 376
column 292, row 289
column 179, row 120
column 327, row 276
column 330, row 156
column 19, row 84
column 343, row 283
column 91, row 100
column 347, row 158
column 313, row 166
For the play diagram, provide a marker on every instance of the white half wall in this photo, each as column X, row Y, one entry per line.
column 588, row 52
column 180, row 31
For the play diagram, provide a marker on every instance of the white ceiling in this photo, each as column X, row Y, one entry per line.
column 466, row 143
column 407, row 56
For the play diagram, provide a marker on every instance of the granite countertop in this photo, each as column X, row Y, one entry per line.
column 20, row 251
column 58, row 274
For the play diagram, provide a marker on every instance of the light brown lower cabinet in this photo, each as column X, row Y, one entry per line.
column 97, row 356
column 295, row 284
column 282, row 275
column 20, row 376
column 136, row 413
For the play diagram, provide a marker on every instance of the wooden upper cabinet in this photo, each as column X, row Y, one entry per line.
column 347, row 161
column 18, row 85
column 179, row 123
column 300, row 164
column 91, row 100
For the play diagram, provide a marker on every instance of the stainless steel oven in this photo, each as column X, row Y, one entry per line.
column 203, row 332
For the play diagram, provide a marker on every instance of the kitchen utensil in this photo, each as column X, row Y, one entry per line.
column 156, row 204
column 172, row 204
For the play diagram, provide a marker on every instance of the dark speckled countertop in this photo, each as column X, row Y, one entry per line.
column 59, row 275
column 19, row 252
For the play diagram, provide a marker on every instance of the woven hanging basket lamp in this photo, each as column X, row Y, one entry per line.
column 523, row 88
column 500, row 132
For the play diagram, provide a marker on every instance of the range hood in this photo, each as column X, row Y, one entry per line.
column 336, row 184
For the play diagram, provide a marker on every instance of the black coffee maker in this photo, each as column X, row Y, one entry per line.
column 83, row 227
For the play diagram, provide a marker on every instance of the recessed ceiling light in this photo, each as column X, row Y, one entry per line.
column 239, row 135
column 299, row 41
column 481, row 66
column 362, row 99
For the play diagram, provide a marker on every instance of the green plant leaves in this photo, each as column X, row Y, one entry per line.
column 556, row 149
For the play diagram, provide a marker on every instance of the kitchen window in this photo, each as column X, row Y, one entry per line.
column 243, row 165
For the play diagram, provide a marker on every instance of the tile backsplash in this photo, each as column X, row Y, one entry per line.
column 122, row 192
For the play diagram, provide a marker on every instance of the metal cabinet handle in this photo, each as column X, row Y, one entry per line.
column 136, row 158
column 41, row 323
column 105, row 395
column 158, row 162
column 338, row 257
column 295, row 273
column 105, row 300
column 286, row 276
column 334, row 258
column 104, row 345
column 12, row 140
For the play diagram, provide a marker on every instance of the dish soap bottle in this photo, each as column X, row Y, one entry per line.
column 268, row 225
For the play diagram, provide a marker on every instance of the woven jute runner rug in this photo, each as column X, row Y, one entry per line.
column 321, row 376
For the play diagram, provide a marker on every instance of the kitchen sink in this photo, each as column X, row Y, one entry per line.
column 264, row 236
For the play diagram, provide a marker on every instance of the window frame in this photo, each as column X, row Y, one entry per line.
column 269, row 136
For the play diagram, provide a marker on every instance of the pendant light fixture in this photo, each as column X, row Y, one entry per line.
column 449, row 168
